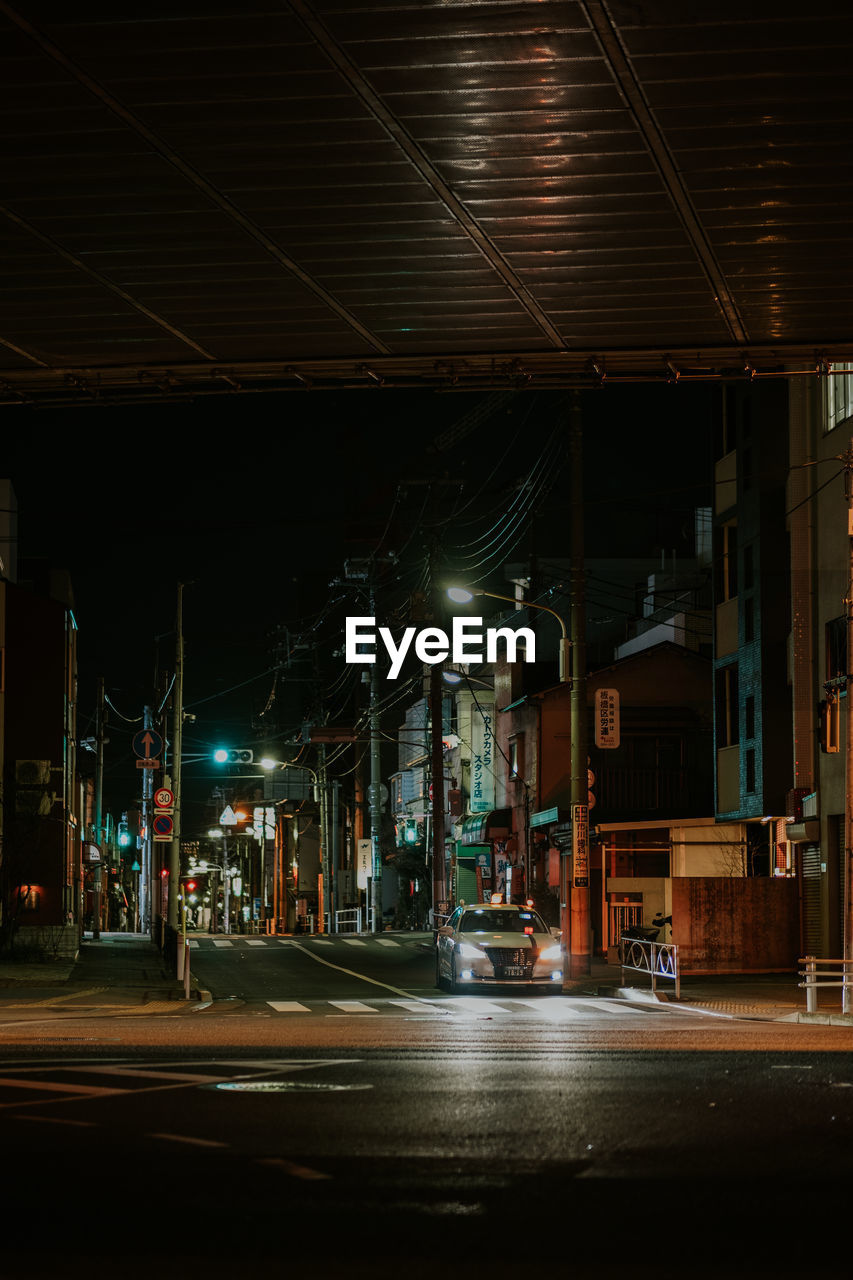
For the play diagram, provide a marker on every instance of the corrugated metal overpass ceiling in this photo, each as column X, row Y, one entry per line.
column 201, row 196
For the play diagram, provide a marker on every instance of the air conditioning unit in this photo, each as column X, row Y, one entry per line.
column 32, row 773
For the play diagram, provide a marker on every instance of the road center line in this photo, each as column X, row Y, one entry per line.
column 386, row 986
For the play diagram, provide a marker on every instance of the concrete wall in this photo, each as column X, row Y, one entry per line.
column 730, row 925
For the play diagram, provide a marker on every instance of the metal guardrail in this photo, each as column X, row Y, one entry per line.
column 832, row 973
column 657, row 959
column 348, row 921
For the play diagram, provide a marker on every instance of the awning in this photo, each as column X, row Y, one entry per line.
column 483, row 827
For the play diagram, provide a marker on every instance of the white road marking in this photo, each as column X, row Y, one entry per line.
column 616, row 1006
column 145, row 1073
column 193, row 944
column 387, row 942
column 352, row 1006
column 556, row 1009
column 471, row 1004
column 288, row 1006
column 420, row 1006
column 220, row 942
column 181, row 1137
column 322, row 942
column 354, row 942
column 256, row 942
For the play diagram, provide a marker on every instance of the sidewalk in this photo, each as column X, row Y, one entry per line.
column 770, row 997
column 124, row 969
column 128, row 969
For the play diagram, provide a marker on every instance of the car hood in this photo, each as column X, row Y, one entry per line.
column 517, row 940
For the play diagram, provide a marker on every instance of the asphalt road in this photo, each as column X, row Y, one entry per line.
column 422, row 1134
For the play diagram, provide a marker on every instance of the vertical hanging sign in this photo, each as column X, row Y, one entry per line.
column 482, row 756
column 580, row 846
column 607, row 719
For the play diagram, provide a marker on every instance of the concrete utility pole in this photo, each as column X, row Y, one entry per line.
column 848, row 807
column 177, row 736
column 578, row 886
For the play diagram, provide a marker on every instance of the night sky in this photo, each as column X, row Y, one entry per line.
column 255, row 503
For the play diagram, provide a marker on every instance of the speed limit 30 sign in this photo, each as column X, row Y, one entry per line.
column 164, row 798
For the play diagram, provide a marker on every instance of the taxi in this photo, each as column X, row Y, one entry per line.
column 495, row 945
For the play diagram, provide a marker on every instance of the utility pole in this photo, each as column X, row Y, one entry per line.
column 436, row 718
column 578, row 887
column 848, row 807
column 97, row 875
column 177, row 735
column 374, row 790
column 146, row 889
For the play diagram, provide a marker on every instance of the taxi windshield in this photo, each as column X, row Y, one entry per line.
column 501, row 922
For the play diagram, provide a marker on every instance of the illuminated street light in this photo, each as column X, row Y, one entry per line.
column 464, row 595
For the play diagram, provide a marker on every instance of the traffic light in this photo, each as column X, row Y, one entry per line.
column 222, row 755
column 189, row 885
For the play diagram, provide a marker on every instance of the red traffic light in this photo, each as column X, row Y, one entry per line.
column 189, row 885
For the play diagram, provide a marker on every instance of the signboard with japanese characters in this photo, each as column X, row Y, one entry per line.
column 482, row 756
column 607, row 719
column 580, row 846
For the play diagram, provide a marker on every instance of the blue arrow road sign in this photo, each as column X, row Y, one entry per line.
column 147, row 743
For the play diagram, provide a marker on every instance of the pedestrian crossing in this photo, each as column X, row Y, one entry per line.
column 238, row 941
column 554, row 1009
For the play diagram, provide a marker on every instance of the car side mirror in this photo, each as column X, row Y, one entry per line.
column 555, row 932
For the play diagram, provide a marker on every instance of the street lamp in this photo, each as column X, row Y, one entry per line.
column 574, row 889
column 464, row 595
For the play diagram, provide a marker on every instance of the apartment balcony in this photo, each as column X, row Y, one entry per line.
column 726, row 628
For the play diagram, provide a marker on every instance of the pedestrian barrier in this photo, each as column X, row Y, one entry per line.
column 348, row 921
column 657, row 959
column 831, row 973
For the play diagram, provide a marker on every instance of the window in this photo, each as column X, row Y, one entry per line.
column 749, row 717
column 750, row 770
column 516, row 756
column 725, row 562
column 838, row 396
column 728, row 734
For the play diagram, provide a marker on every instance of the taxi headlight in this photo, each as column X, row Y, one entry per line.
column 551, row 953
column 467, row 952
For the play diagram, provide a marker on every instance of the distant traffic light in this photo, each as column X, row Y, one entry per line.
column 224, row 756
column 189, row 885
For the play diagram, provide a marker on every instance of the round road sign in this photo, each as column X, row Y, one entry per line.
column 163, row 798
column 162, row 824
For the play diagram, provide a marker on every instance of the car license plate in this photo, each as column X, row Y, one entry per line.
column 514, row 971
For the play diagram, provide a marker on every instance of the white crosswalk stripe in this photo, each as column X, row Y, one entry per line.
column 421, row 1006
column 288, row 1006
column 322, row 942
column 387, row 942
column 353, row 1006
column 354, row 942
column 255, row 942
column 559, row 1010
column 222, row 942
column 472, row 1004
